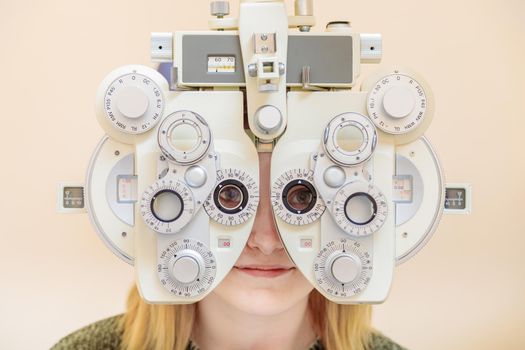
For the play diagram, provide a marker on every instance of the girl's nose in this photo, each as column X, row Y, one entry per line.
column 264, row 235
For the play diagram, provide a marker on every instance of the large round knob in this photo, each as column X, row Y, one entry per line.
column 268, row 119
column 185, row 268
column 399, row 102
column 346, row 268
column 132, row 102
column 343, row 268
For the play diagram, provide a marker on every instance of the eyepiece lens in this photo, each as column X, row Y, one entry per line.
column 299, row 197
column 230, row 197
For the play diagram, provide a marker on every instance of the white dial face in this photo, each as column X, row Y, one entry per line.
column 295, row 199
column 343, row 268
column 133, row 103
column 167, row 205
column 359, row 208
column 235, row 198
column 397, row 104
column 187, row 268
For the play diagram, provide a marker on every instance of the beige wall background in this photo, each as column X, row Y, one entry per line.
column 465, row 290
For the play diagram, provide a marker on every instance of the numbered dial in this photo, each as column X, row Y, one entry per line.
column 133, row 103
column 184, row 137
column 295, row 199
column 235, row 198
column 350, row 139
column 343, row 268
column 397, row 104
column 167, row 206
column 359, row 208
column 187, row 268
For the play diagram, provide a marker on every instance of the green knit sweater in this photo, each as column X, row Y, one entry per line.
column 106, row 335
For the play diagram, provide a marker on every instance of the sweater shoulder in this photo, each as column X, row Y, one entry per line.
column 101, row 335
column 379, row 341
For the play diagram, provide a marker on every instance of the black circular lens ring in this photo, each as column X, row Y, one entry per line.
column 155, row 197
column 372, row 200
column 235, row 183
column 291, row 185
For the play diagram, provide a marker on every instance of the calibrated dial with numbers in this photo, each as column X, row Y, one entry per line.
column 359, row 208
column 234, row 199
column 343, row 268
column 186, row 268
column 133, row 103
column 397, row 104
column 167, row 205
column 295, row 199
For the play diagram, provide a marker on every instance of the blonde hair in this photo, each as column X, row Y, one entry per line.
column 168, row 327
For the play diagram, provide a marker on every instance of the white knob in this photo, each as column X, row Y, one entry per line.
column 195, row 176
column 268, row 118
column 185, row 269
column 346, row 268
column 339, row 26
column 334, row 176
column 132, row 102
column 399, row 102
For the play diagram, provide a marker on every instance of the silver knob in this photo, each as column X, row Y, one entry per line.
column 187, row 266
column 346, row 268
column 268, row 119
column 220, row 8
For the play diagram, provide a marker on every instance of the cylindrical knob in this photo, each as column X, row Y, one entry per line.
column 220, row 8
column 304, row 7
column 268, row 118
column 399, row 102
column 346, row 268
column 132, row 102
column 185, row 269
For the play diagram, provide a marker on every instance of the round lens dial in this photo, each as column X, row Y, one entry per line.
column 359, row 208
column 234, row 199
column 295, row 199
column 167, row 206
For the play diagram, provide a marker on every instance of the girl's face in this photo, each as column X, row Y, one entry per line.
column 264, row 281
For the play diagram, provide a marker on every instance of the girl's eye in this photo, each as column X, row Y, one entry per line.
column 299, row 197
column 230, row 197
